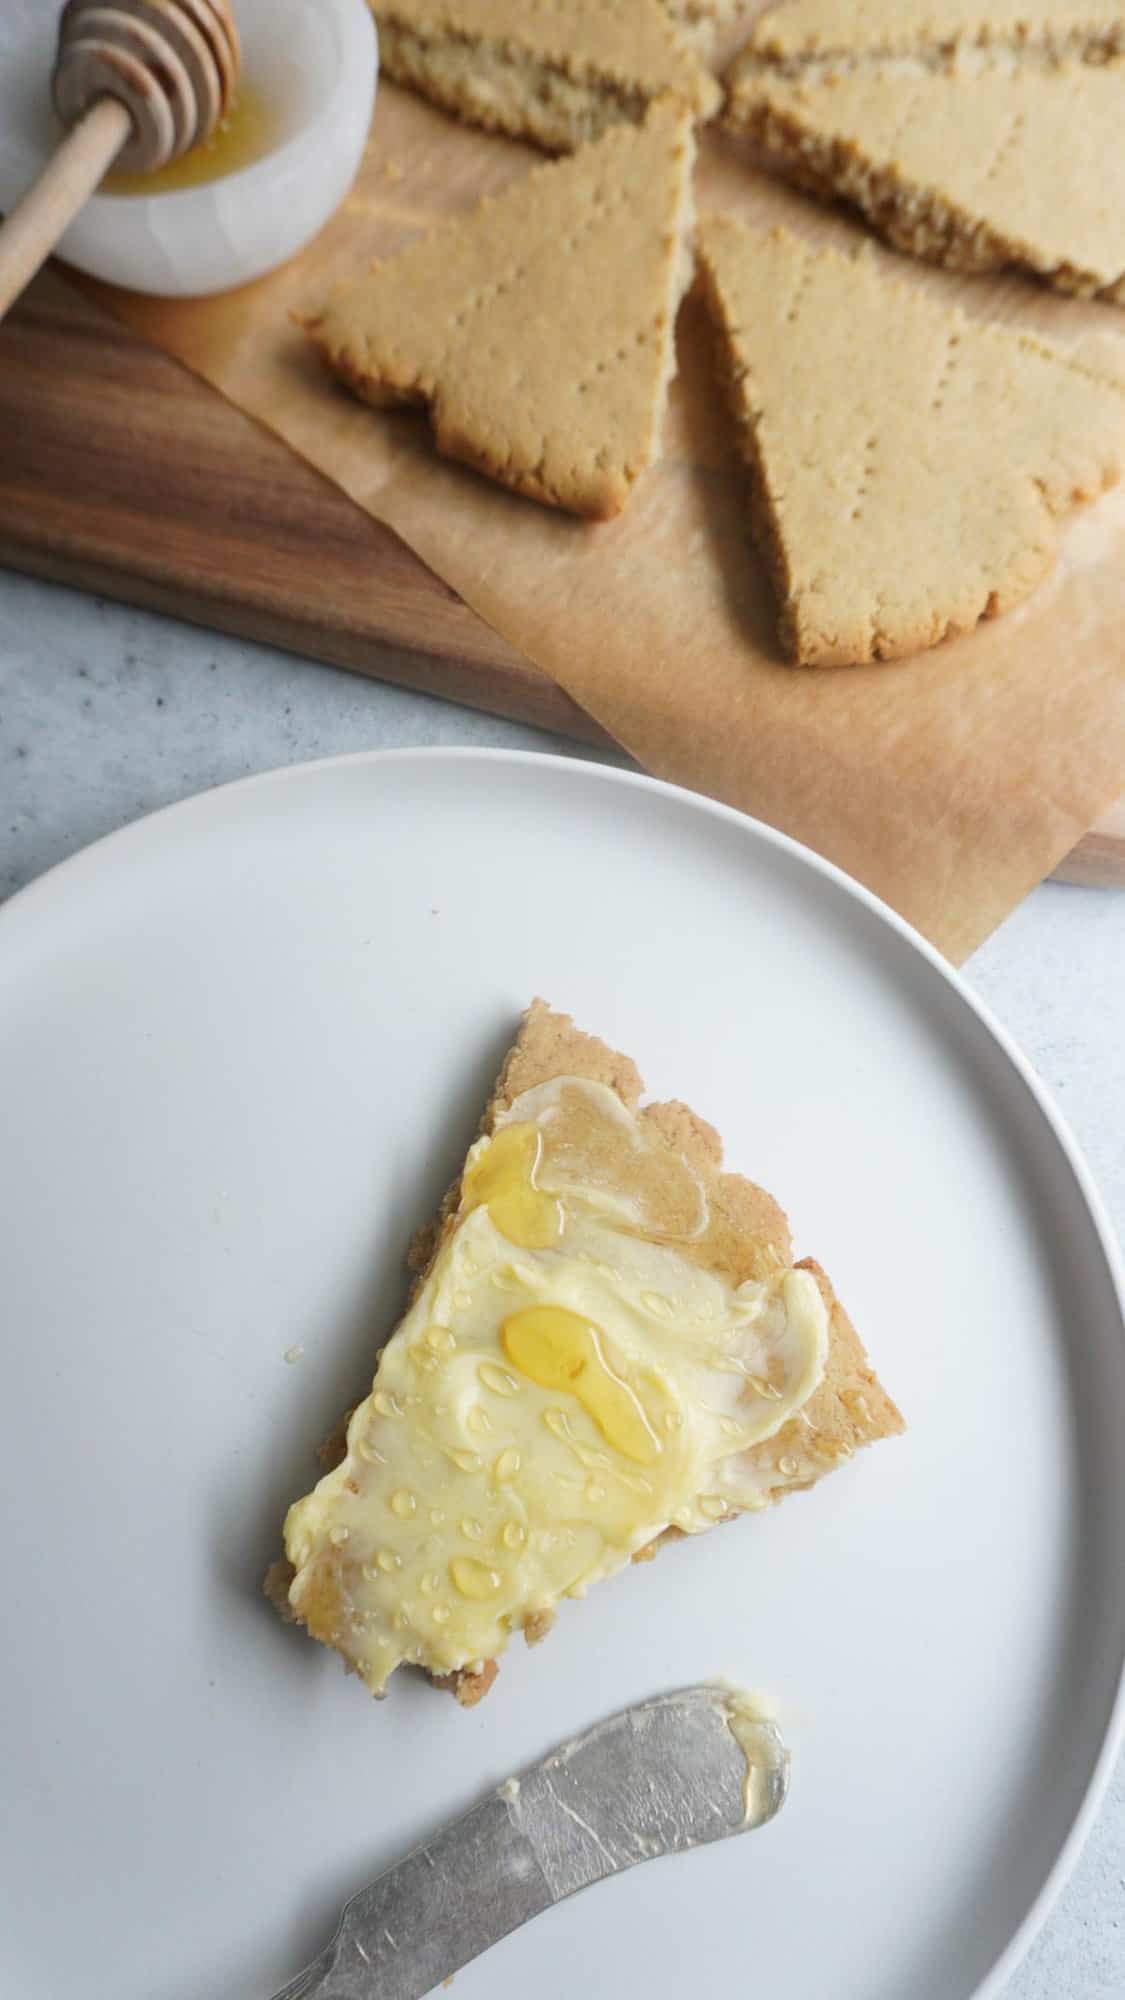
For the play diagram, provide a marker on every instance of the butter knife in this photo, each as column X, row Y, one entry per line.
column 664, row 1776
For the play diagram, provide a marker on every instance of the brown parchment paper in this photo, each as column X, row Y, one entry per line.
column 950, row 783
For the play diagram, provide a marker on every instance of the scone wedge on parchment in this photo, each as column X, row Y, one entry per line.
column 538, row 330
column 909, row 466
column 980, row 136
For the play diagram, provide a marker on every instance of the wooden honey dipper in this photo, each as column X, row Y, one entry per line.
column 137, row 83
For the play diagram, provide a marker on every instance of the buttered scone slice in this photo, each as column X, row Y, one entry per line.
column 609, row 1342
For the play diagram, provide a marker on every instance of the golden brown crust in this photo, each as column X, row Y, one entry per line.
column 275, row 1585
column 470, row 1685
column 538, row 1626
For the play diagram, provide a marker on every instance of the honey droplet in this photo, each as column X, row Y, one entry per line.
column 247, row 133
column 558, row 1423
column 558, row 1349
column 439, row 1340
column 507, row 1465
column 471, row 1529
column 337, row 1536
column 502, row 1177
column 403, row 1502
column 507, row 1279
column 730, row 1427
column 429, row 1584
column 498, row 1379
column 474, row 1579
column 761, row 1387
column 594, row 1492
column 386, row 1404
column 465, row 1461
column 658, row 1305
column 437, row 1516
column 478, row 1420
column 594, row 1461
column 787, row 1467
column 368, row 1453
column 387, row 1560
column 713, row 1506
column 635, row 1481
column 513, row 1536
column 441, row 1613
column 673, row 1421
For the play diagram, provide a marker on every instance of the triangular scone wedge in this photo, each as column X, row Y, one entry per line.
column 558, row 75
column 1001, row 165
column 811, row 35
column 538, row 329
column 909, row 465
column 608, row 1344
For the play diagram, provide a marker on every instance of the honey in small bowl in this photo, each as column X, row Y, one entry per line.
column 250, row 130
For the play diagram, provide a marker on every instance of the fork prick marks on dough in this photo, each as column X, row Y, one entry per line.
column 534, row 369
column 1004, row 156
column 949, row 521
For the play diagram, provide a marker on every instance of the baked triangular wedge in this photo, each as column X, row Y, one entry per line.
column 909, row 465
column 538, row 330
column 557, row 74
column 976, row 169
column 608, row 1344
column 803, row 33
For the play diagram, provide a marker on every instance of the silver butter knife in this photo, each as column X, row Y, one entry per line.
column 666, row 1775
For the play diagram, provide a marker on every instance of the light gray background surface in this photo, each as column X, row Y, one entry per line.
column 107, row 713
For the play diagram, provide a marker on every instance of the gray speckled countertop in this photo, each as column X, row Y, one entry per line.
column 106, row 713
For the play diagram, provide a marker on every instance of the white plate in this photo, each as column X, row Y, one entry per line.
column 242, row 1047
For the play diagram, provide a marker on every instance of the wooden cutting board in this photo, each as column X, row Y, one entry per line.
column 121, row 472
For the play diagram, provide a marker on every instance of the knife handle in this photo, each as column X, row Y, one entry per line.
column 445, row 1902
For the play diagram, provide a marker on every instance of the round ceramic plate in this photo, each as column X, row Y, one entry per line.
column 242, row 1048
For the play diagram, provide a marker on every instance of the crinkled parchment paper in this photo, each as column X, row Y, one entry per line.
column 950, row 783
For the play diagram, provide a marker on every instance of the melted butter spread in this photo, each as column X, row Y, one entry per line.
column 568, row 1382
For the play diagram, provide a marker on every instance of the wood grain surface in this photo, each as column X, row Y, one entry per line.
column 123, row 473
column 120, row 472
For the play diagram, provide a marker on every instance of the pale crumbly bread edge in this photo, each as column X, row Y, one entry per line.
column 699, row 21
column 560, row 104
column 922, row 221
column 817, row 38
column 749, row 1238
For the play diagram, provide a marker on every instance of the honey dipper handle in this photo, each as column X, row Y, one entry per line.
column 51, row 202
